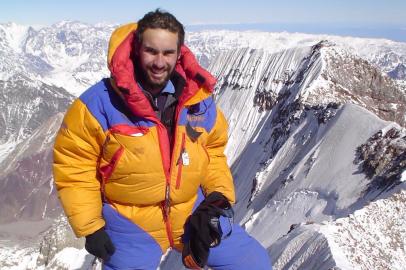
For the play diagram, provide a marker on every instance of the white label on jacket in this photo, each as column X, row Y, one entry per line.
column 139, row 134
column 185, row 158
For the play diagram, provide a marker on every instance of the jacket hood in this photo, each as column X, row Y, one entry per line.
column 199, row 82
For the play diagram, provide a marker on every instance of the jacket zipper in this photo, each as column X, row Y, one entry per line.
column 165, row 213
column 180, row 162
column 166, row 204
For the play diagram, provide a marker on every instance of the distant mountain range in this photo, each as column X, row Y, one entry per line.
column 73, row 55
column 317, row 141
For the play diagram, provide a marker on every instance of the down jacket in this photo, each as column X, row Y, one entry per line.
column 111, row 148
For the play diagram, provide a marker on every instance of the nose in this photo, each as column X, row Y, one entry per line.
column 159, row 61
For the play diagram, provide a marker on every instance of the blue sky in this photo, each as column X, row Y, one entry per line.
column 356, row 17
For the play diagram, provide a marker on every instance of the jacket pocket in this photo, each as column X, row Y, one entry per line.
column 107, row 170
column 133, row 131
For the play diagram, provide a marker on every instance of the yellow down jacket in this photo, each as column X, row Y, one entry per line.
column 111, row 148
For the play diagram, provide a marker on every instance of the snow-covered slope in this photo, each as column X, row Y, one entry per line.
column 252, row 82
column 311, row 180
column 25, row 104
column 370, row 238
column 26, row 182
column 295, row 144
column 31, row 113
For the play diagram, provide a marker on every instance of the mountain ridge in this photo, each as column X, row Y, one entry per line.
column 72, row 54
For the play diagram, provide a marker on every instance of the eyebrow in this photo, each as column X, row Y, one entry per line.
column 148, row 48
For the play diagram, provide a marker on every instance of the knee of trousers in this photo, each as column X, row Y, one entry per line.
column 239, row 251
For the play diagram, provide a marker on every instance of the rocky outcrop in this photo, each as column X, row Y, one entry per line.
column 398, row 73
column 356, row 80
column 383, row 158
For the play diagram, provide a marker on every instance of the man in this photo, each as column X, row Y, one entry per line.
column 139, row 162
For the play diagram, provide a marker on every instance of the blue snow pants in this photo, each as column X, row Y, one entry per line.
column 136, row 249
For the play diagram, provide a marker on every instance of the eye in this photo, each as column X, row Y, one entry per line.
column 150, row 50
column 169, row 52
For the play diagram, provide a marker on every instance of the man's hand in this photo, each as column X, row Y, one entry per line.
column 99, row 244
column 204, row 230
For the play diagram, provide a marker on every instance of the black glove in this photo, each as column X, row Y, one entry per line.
column 204, row 230
column 99, row 244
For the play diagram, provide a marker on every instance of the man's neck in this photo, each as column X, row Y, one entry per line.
column 153, row 91
column 168, row 88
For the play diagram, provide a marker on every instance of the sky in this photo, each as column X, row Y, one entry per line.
column 376, row 18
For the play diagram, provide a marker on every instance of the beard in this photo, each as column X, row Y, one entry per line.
column 148, row 83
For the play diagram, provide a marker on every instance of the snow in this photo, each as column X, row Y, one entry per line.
column 249, row 71
column 316, row 191
column 364, row 47
column 299, row 206
column 15, row 35
column 337, row 253
column 7, row 148
column 403, row 179
column 18, row 258
column 371, row 238
column 70, row 259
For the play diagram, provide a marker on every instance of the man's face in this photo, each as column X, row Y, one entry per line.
column 157, row 56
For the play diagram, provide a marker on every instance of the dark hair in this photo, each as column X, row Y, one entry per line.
column 163, row 20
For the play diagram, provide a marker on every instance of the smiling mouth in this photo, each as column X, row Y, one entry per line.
column 158, row 75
